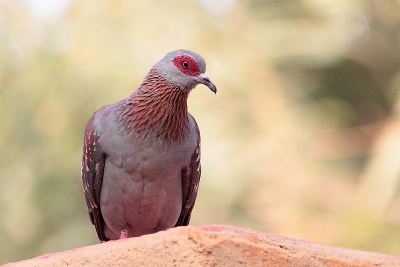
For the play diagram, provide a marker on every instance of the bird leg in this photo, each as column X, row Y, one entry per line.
column 124, row 234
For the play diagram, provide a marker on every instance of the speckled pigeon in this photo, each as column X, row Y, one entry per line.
column 141, row 155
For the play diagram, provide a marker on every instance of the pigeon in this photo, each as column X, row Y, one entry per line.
column 141, row 156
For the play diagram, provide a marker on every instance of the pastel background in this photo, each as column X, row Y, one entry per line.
column 301, row 140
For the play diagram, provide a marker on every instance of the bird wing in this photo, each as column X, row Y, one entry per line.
column 190, row 183
column 93, row 160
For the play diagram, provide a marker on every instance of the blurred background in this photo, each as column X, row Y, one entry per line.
column 302, row 139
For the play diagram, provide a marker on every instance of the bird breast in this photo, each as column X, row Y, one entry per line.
column 142, row 187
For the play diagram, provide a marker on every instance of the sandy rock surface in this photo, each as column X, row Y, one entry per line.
column 211, row 245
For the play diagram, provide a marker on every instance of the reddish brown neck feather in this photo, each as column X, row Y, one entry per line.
column 157, row 109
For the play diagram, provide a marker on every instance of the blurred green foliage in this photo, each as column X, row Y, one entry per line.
column 302, row 139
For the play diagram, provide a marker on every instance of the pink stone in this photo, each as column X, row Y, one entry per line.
column 211, row 245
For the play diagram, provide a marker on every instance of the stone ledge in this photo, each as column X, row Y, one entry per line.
column 211, row 245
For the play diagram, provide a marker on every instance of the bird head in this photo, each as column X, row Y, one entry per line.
column 184, row 69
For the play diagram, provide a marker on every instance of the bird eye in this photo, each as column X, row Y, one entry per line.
column 185, row 64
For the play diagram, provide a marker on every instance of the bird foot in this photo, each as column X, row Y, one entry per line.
column 124, row 234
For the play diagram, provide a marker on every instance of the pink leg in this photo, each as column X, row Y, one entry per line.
column 124, row 234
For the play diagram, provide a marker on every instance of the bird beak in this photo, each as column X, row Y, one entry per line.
column 203, row 79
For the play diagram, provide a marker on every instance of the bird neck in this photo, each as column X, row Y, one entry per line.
column 157, row 109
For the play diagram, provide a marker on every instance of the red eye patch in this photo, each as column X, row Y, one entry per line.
column 187, row 65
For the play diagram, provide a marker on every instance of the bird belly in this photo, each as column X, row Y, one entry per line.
column 139, row 195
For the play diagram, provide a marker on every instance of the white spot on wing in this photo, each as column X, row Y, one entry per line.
column 198, row 167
